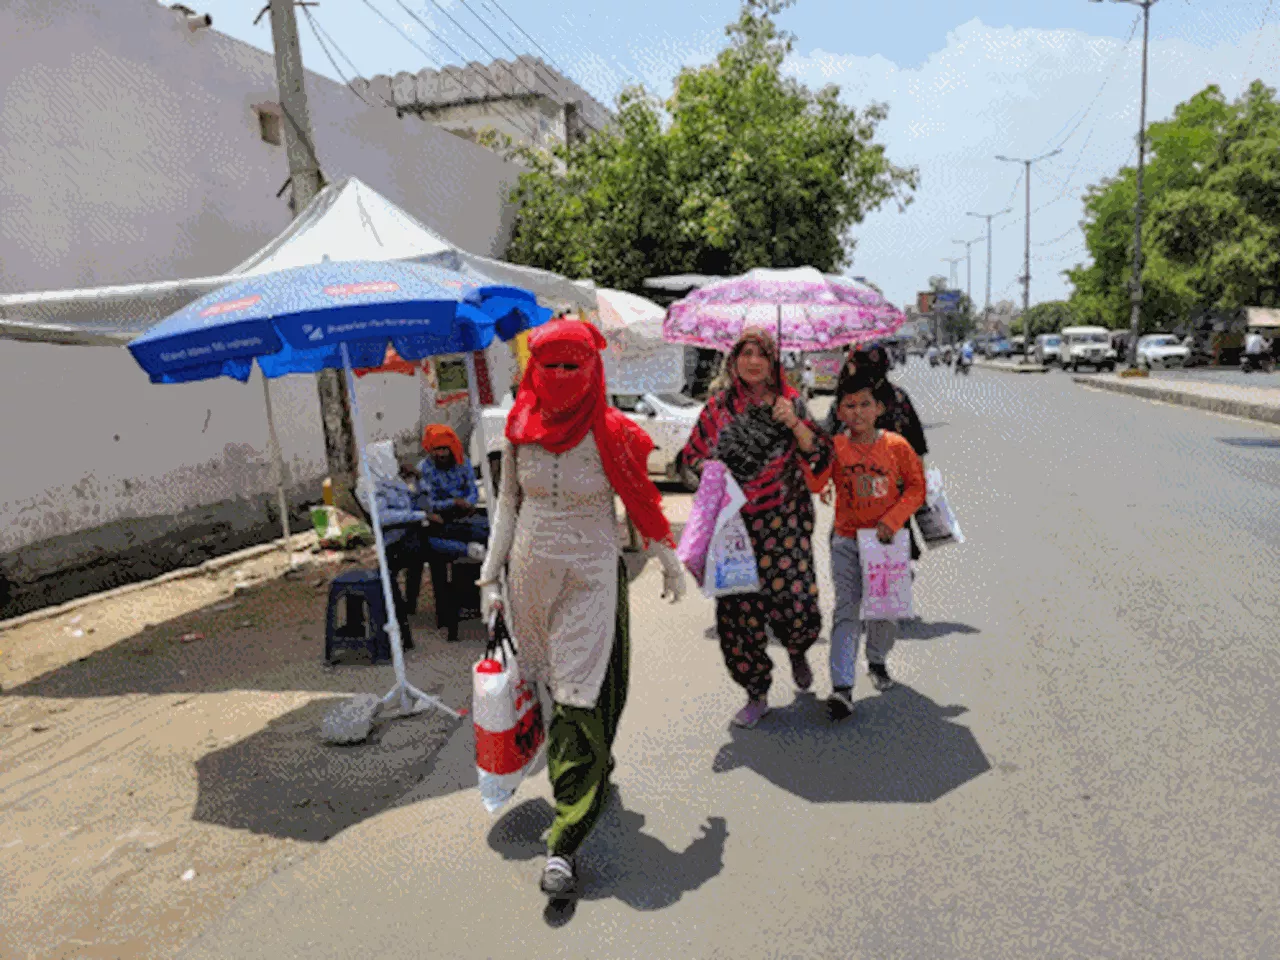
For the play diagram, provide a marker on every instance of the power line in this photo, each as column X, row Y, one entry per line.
column 533, row 134
column 315, row 31
column 537, row 76
column 1257, row 40
column 1115, row 63
column 430, row 57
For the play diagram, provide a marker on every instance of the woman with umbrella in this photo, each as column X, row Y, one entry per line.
column 567, row 453
column 758, row 426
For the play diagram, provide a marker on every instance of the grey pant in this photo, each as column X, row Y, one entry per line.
column 846, row 627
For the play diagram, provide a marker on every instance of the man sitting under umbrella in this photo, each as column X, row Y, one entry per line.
column 446, row 490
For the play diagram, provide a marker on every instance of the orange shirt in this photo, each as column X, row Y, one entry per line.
column 881, row 482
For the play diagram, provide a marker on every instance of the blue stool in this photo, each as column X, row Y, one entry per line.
column 359, row 594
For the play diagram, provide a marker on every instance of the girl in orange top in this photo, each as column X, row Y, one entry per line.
column 879, row 484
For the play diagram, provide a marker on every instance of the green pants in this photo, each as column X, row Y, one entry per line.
column 580, row 742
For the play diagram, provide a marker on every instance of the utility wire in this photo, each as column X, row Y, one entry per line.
column 495, row 59
column 332, row 62
column 484, row 75
column 430, row 57
column 1115, row 64
column 1258, row 39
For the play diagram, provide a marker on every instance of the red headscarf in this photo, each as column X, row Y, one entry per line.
column 556, row 408
column 439, row 435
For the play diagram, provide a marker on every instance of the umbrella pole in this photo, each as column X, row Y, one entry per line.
column 277, row 467
column 779, row 348
column 410, row 698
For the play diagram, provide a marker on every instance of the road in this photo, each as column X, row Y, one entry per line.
column 1080, row 762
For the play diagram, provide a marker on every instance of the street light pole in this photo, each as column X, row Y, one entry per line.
column 1026, row 267
column 968, row 265
column 952, row 261
column 986, row 311
column 1135, row 286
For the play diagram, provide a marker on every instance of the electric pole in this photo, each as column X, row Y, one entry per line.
column 986, row 311
column 1026, row 267
column 968, row 266
column 1135, row 287
column 305, row 183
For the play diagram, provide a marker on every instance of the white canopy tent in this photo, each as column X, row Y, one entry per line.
column 348, row 220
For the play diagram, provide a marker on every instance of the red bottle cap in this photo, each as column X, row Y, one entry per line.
column 488, row 666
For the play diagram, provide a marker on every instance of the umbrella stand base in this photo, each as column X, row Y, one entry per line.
column 405, row 700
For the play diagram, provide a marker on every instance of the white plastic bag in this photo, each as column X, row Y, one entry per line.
column 937, row 524
column 886, row 576
column 508, row 724
column 731, row 560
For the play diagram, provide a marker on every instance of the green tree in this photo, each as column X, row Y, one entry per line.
column 1048, row 317
column 741, row 167
column 1212, row 237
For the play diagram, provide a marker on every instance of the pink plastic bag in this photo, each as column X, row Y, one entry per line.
column 696, row 537
column 886, row 576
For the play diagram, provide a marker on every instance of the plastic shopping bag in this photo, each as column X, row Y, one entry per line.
column 935, row 521
column 886, row 576
column 695, row 540
column 508, row 720
column 731, row 560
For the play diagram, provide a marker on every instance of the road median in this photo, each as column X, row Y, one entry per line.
column 1010, row 367
column 1249, row 403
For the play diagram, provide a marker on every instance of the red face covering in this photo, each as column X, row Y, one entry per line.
column 555, row 408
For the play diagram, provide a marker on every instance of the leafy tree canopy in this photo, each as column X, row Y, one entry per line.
column 1212, row 228
column 741, row 167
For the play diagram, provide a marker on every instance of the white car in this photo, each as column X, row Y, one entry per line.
column 668, row 418
column 1086, row 346
column 1162, row 350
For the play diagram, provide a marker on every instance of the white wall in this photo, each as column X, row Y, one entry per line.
column 129, row 151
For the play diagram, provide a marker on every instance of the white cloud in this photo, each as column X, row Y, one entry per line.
column 1017, row 92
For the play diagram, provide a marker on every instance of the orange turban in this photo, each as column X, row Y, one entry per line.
column 438, row 435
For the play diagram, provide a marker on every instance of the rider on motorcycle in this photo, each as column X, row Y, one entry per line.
column 932, row 354
column 966, row 355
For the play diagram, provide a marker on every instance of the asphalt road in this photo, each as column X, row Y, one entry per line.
column 1080, row 761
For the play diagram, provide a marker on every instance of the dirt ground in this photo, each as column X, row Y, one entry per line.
column 159, row 753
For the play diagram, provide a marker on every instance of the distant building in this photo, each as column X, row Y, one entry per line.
column 530, row 102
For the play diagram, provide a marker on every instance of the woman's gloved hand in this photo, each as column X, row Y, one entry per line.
column 673, row 582
column 490, row 600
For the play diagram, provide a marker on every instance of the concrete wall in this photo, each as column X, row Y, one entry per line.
column 130, row 151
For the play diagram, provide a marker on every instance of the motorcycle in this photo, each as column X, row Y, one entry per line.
column 1260, row 362
column 933, row 359
column 963, row 365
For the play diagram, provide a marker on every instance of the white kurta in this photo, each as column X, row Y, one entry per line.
column 555, row 522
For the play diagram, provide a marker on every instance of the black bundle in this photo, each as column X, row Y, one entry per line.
column 750, row 441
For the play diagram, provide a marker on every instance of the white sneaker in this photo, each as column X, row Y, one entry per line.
column 476, row 552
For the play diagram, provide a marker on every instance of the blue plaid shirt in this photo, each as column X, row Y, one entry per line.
column 439, row 488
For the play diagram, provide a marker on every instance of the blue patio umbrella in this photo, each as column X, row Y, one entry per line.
column 339, row 315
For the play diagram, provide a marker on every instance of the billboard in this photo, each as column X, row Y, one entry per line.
column 948, row 301
column 924, row 301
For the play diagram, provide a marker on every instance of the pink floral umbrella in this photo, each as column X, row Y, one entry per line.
column 809, row 310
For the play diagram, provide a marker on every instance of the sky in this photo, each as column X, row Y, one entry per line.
column 965, row 81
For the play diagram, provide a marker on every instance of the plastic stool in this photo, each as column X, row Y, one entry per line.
column 365, row 624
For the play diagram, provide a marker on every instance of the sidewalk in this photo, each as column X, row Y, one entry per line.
column 1250, row 403
column 1009, row 366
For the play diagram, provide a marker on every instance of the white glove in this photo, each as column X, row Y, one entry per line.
column 673, row 582
column 490, row 600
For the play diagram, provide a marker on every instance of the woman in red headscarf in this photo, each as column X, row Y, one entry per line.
column 567, row 453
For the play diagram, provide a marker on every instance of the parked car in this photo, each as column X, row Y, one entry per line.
column 997, row 347
column 667, row 417
column 1086, row 347
column 1047, row 349
column 1162, row 350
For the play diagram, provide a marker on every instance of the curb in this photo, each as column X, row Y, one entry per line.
column 300, row 542
column 1010, row 367
column 1262, row 412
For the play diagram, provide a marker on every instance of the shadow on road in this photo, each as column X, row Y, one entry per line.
column 1264, row 442
column 900, row 747
column 283, row 782
column 619, row 860
column 919, row 630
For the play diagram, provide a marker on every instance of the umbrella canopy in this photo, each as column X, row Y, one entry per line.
column 294, row 321
column 812, row 311
column 341, row 315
